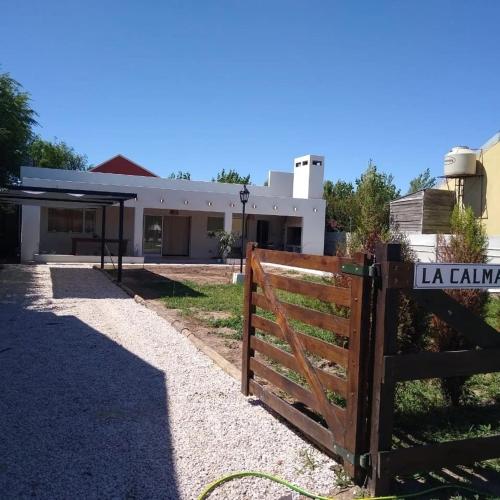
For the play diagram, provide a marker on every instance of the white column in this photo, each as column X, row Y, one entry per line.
column 138, row 230
column 313, row 231
column 228, row 222
column 30, row 233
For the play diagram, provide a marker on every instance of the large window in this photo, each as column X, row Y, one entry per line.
column 215, row 224
column 71, row 220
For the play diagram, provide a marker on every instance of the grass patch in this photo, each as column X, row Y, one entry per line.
column 493, row 311
column 193, row 299
column 423, row 416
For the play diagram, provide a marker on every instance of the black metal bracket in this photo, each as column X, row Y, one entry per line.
column 359, row 270
column 362, row 460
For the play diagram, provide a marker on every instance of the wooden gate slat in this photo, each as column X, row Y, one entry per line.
column 319, row 347
column 295, row 390
column 330, row 381
column 335, row 324
column 326, row 293
column 304, row 261
column 314, row 431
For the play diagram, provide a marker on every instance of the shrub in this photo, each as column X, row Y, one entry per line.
column 468, row 242
column 225, row 241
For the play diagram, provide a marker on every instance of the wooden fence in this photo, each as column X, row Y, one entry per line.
column 391, row 367
column 344, row 398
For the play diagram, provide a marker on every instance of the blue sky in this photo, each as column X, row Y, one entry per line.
column 210, row 84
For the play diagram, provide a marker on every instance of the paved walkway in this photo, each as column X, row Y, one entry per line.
column 101, row 398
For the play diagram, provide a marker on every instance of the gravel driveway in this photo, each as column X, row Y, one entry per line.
column 101, row 398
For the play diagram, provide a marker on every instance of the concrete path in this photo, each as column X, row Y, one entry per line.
column 101, row 398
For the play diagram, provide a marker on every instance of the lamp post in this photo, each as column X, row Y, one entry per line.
column 244, row 194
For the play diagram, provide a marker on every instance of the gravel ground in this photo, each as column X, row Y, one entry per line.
column 101, row 398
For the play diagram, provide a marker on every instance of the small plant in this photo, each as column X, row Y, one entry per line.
column 225, row 242
column 308, row 461
column 342, row 479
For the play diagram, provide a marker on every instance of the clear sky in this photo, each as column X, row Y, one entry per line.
column 250, row 84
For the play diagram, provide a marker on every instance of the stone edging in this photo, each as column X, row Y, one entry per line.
column 180, row 327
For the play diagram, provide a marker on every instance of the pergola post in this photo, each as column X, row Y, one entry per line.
column 103, row 235
column 120, row 243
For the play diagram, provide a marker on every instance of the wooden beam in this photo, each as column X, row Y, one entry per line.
column 425, row 365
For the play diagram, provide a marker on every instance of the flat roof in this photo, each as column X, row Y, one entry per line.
column 61, row 197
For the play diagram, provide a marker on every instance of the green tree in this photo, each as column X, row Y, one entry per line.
column 231, row 177
column 468, row 242
column 180, row 175
column 16, row 122
column 55, row 154
column 374, row 191
column 341, row 205
column 422, row 181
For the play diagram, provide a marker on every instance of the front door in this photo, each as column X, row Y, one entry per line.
column 152, row 234
column 262, row 233
column 176, row 231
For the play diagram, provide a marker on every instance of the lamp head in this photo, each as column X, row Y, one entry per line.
column 244, row 194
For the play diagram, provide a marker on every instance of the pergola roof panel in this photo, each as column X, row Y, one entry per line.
column 60, row 197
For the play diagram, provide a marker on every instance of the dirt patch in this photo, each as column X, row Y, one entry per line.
column 203, row 275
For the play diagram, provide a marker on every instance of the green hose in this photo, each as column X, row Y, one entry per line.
column 212, row 486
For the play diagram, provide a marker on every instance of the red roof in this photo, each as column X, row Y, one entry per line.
column 121, row 165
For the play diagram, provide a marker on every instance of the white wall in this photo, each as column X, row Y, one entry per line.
column 425, row 245
column 30, row 232
column 193, row 196
column 281, row 183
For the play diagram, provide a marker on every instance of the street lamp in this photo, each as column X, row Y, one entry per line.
column 244, row 194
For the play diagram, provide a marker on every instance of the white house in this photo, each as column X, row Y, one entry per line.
column 173, row 218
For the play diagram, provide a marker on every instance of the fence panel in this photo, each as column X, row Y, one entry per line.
column 389, row 367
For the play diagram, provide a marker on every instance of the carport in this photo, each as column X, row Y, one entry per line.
column 64, row 198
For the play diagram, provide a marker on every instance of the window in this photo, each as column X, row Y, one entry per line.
column 71, row 220
column 215, row 224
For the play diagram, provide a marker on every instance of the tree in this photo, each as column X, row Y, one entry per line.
column 180, row 175
column 422, row 181
column 16, row 122
column 231, row 177
column 468, row 242
column 55, row 154
column 341, row 205
column 374, row 191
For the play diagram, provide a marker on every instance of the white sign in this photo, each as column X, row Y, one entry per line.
column 456, row 276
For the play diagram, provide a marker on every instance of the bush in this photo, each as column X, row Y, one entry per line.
column 468, row 242
column 225, row 242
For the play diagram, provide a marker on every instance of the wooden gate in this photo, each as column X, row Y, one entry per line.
column 329, row 403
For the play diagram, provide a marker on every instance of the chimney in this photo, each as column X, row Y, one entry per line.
column 308, row 173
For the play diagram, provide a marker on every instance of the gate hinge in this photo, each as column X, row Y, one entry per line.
column 359, row 270
column 362, row 460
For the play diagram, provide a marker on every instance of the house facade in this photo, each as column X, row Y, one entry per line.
column 173, row 218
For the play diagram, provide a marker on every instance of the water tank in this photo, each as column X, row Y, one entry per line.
column 460, row 161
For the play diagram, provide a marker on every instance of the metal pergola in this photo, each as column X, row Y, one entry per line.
column 63, row 198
